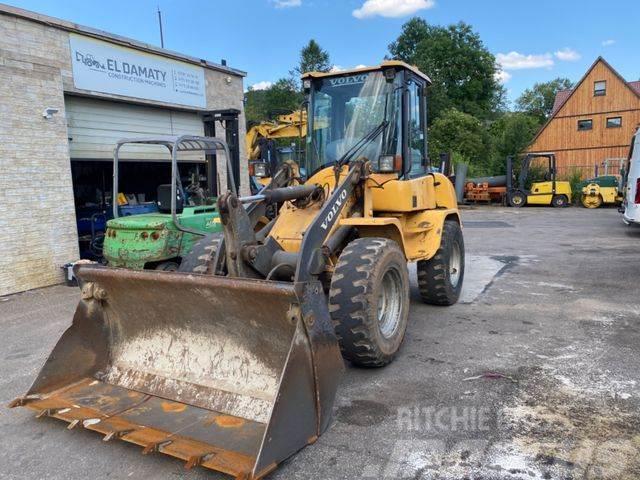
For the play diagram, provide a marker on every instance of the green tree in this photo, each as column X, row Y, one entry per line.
column 281, row 97
column 538, row 100
column 463, row 71
column 464, row 136
column 312, row 59
column 510, row 135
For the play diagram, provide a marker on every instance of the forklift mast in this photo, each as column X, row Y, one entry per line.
column 217, row 121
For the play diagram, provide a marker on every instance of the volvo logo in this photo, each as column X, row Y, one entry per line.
column 335, row 209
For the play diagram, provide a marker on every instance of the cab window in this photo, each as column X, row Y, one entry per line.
column 416, row 129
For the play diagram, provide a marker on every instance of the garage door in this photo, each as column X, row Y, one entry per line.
column 94, row 127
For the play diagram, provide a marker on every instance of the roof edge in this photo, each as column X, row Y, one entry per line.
column 113, row 38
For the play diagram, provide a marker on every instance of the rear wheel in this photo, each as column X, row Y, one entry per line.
column 559, row 201
column 440, row 278
column 200, row 258
column 369, row 301
column 517, row 199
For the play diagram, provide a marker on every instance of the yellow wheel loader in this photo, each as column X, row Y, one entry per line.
column 234, row 365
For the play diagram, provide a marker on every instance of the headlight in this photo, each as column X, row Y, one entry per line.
column 388, row 163
column 260, row 170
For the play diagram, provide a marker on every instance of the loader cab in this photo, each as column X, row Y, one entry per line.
column 345, row 107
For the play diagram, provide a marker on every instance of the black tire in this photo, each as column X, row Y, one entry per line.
column 167, row 267
column 517, row 199
column 370, row 278
column 200, row 258
column 437, row 279
column 559, row 201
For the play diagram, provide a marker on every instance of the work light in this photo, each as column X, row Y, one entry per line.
column 388, row 164
column 260, row 169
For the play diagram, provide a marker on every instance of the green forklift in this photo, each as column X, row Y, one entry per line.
column 159, row 238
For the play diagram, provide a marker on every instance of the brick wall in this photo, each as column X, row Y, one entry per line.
column 37, row 219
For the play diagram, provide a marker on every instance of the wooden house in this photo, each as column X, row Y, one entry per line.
column 591, row 125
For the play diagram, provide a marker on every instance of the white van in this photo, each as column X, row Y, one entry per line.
column 631, row 203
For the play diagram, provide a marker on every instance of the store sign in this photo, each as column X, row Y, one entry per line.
column 104, row 67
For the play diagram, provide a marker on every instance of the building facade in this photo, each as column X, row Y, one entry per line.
column 67, row 94
column 591, row 126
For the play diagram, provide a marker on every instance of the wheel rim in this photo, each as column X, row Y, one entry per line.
column 517, row 200
column 390, row 303
column 455, row 265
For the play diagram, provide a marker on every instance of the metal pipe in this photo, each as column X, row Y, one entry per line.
column 461, row 175
column 336, row 240
column 495, row 181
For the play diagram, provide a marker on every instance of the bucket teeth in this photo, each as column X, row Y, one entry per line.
column 117, row 434
column 73, row 424
column 155, row 446
column 22, row 401
column 197, row 460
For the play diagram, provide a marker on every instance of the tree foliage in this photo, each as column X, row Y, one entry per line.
column 280, row 98
column 463, row 71
column 462, row 135
column 538, row 101
column 313, row 58
column 511, row 135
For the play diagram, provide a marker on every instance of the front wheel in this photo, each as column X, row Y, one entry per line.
column 440, row 278
column 369, row 301
column 517, row 199
column 591, row 201
column 559, row 201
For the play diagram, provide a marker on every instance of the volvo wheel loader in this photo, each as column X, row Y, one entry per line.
column 233, row 363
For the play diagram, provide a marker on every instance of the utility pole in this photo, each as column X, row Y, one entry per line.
column 160, row 23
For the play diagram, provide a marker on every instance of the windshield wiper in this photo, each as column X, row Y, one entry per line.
column 363, row 142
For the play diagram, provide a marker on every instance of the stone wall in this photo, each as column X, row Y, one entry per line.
column 37, row 219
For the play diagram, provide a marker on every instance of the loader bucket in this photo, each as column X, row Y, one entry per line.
column 234, row 375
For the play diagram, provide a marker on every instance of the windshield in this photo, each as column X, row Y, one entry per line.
column 345, row 109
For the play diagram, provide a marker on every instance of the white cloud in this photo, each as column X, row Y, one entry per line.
column 286, row 3
column 261, row 85
column 391, row 8
column 519, row 61
column 608, row 43
column 567, row 55
column 502, row 76
column 336, row 68
column 360, row 66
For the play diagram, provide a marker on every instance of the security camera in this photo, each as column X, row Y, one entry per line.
column 49, row 111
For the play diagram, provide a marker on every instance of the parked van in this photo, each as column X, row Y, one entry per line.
column 631, row 205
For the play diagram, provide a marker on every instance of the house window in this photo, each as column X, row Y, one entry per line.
column 600, row 88
column 585, row 125
column 614, row 122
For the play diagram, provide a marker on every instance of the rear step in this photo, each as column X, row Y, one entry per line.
column 233, row 375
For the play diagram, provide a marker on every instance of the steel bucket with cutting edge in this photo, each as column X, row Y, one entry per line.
column 230, row 374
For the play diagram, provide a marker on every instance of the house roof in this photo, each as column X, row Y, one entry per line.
column 563, row 95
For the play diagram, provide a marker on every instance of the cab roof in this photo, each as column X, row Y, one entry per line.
column 386, row 64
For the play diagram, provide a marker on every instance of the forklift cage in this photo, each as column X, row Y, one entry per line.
column 175, row 144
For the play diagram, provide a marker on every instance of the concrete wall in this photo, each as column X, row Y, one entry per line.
column 37, row 217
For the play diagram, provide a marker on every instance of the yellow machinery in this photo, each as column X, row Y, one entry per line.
column 236, row 367
column 595, row 194
column 553, row 192
column 261, row 149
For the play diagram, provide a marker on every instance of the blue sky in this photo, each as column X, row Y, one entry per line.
column 534, row 40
